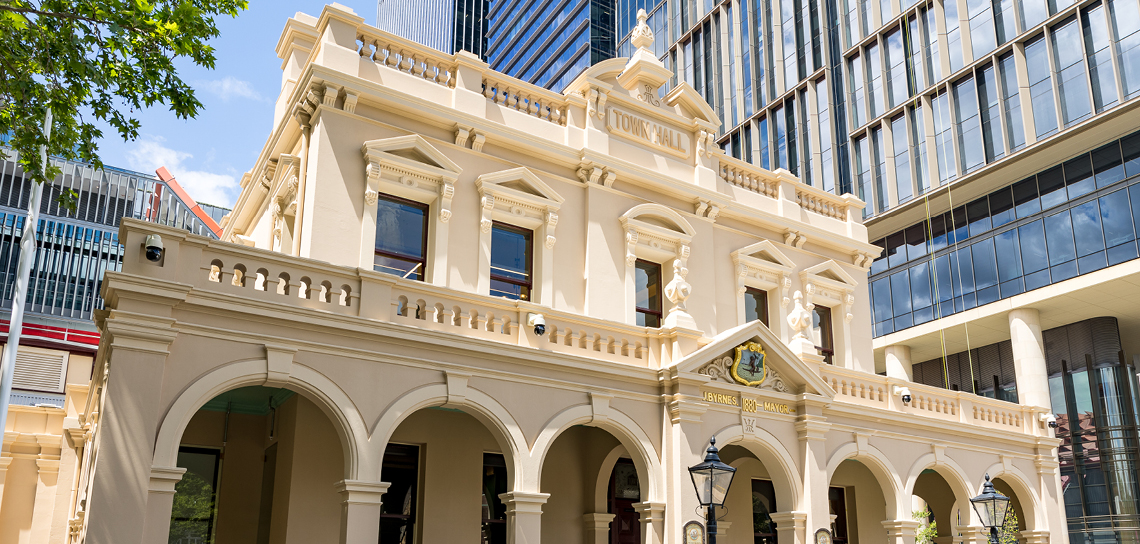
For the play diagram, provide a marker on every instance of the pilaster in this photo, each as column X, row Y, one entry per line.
column 791, row 527
column 596, row 527
column 901, row 531
column 160, row 502
column 1035, row 537
column 812, row 432
column 524, row 516
column 973, row 534
column 360, row 513
column 46, row 486
column 652, row 521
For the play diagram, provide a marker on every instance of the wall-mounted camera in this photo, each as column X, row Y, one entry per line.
column 153, row 246
column 1050, row 420
column 904, row 392
column 538, row 322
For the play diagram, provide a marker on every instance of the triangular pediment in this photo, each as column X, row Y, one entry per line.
column 796, row 376
column 832, row 272
column 690, row 103
column 411, row 151
column 518, row 182
column 765, row 253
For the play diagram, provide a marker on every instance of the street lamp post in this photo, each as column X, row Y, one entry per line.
column 711, row 478
column 991, row 507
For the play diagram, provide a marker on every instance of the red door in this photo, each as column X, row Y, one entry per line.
column 624, row 493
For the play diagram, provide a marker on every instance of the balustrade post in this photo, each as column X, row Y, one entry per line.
column 468, row 95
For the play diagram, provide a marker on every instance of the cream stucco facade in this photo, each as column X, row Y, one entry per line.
column 604, row 175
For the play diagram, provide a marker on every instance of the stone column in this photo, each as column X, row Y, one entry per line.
column 973, row 534
column 360, row 514
column 130, row 374
column 652, row 521
column 791, row 527
column 524, row 516
column 812, row 430
column 901, row 531
column 1029, row 357
column 596, row 527
column 48, row 472
column 1035, row 537
column 160, row 502
column 899, row 364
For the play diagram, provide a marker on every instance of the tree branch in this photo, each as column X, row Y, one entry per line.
column 71, row 16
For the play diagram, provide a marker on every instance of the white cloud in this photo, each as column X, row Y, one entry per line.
column 149, row 153
column 230, row 87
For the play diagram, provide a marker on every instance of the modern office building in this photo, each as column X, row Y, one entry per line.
column 446, row 25
column 59, row 340
column 993, row 144
column 464, row 308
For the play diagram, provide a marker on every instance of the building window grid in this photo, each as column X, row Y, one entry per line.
column 1045, row 231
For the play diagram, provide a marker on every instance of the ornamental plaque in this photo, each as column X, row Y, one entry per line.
column 748, row 366
column 694, row 533
column 823, row 536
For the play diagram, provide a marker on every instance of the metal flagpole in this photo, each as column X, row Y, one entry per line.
column 24, row 271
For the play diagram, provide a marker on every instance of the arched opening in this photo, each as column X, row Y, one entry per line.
column 756, row 494
column 448, row 471
column 594, row 489
column 1017, row 517
column 858, row 504
column 937, row 507
column 260, row 462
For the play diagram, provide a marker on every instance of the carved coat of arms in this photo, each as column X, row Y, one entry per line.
column 748, row 366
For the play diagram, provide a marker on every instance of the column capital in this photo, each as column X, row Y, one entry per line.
column 811, row 427
column 47, row 465
column 650, row 510
column 789, row 519
column 163, row 479
column 901, row 527
column 361, row 492
column 597, row 521
column 1035, row 537
column 4, row 462
column 975, row 534
column 523, row 502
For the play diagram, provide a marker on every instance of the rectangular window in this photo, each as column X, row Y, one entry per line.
column 746, row 51
column 511, row 258
column 821, row 333
column 858, row 105
column 1073, row 83
column 400, row 468
column 1033, row 12
column 902, row 158
column 918, row 149
column 863, row 171
column 897, row 88
column 1040, row 87
column 781, row 138
column 827, row 176
column 953, row 34
column 930, row 30
column 837, row 502
column 969, row 125
column 982, row 36
column 192, row 519
column 401, row 237
column 788, row 35
column 1126, row 32
column 494, row 511
column 879, row 157
column 916, row 70
column 990, row 114
column 943, row 139
column 755, row 305
column 874, row 80
column 765, row 150
column 853, row 26
column 763, row 505
column 1004, row 20
column 1011, row 103
column 1097, row 42
column 647, row 285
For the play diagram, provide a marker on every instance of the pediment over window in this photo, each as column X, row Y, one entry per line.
column 686, row 99
column 786, row 373
column 519, row 197
column 656, row 231
column 761, row 265
column 410, row 167
column 828, row 284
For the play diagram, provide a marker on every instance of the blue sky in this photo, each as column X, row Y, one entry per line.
column 209, row 154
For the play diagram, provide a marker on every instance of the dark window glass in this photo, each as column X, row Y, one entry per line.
column 985, row 264
column 1134, row 194
column 920, row 286
column 648, row 290
column 1052, row 185
column 821, row 332
column 956, row 223
column 978, row 213
column 1009, row 261
column 1034, row 256
column 963, row 267
column 1087, row 227
column 192, row 519
column 1001, row 207
column 401, row 237
column 1025, row 197
column 881, row 299
column 755, row 305
column 880, row 263
column 400, row 469
column 900, row 283
column 494, row 511
column 896, row 252
column 916, row 241
column 763, row 505
column 837, row 503
column 943, row 279
column 1059, row 234
column 511, row 261
column 1130, row 146
column 1108, row 165
column 1078, row 176
column 937, row 233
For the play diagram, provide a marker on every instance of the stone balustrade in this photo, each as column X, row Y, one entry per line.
column 524, row 97
column 748, row 176
column 391, row 51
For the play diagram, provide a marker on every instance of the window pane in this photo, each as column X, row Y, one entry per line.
column 920, row 286
column 1052, row 185
column 1073, row 84
column 400, row 227
column 1086, row 228
column 755, row 305
column 881, row 299
column 1001, row 207
column 1059, row 233
column 1025, row 197
column 1116, row 218
column 1108, row 165
column 510, row 262
column 1130, row 147
column 900, row 283
column 1033, row 254
column 1040, row 87
column 1078, row 176
column 1011, row 103
column 1097, row 44
column 1009, row 264
column 969, row 124
column 647, row 283
column 978, row 213
column 985, row 264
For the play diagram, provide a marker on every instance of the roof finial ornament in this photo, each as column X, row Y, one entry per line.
column 642, row 37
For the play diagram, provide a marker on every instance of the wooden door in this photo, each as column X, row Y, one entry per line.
column 625, row 491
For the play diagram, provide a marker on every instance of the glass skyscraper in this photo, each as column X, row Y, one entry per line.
column 447, row 25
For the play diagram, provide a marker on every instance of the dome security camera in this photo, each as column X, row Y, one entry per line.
column 538, row 322
column 904, row 392
column 153, row 246
column 1050, row 420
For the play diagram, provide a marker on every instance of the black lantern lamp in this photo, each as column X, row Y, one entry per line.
column 711, row 479
column 991, row 507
